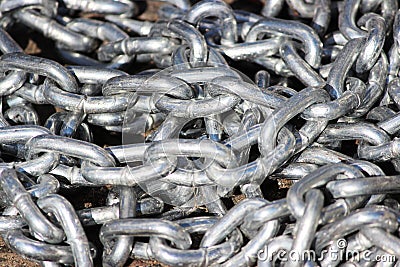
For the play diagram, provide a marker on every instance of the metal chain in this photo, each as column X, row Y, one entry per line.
column 159, row 121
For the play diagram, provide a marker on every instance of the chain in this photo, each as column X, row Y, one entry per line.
column 124, row 138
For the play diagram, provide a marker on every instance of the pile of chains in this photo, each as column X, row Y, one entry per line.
column 319, row 115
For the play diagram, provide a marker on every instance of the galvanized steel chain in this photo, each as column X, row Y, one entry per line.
column 160, row 123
